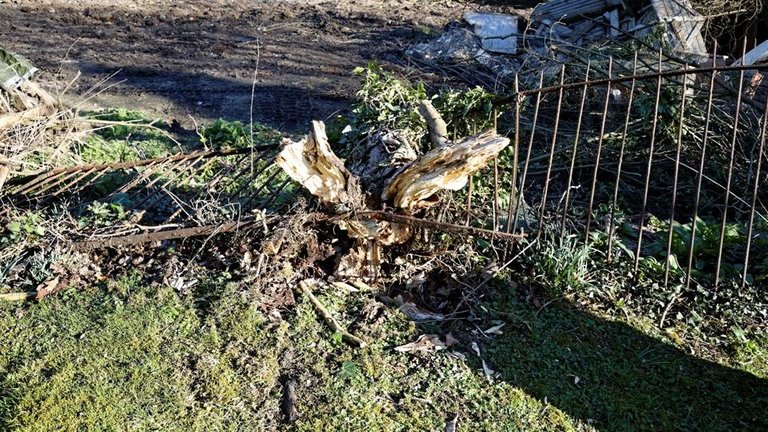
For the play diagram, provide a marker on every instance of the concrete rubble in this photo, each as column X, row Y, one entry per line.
column 556, row 27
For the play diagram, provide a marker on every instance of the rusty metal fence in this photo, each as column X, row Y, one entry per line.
column 198, row 193
column 666, row 165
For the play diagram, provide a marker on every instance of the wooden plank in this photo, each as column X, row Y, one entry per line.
column 756, row 55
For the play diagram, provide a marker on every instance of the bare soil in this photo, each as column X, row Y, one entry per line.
column 201, row 60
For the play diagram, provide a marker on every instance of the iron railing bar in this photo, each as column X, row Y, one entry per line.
column 26, row 180
column 551, row 155
column 254, row 175
column 74, row 182
column 41, row 179
column 649, row 168
column 274, row 193
column 513, row 192
column 216, row 179
column 51, row 185
column 166, row 183
column 142, row 175
column 514, row 219
column 676, row 176
column 263, row 185
column 506, row 100
column 574, row 151
column 692, row 243
column 755, row 191
column 599, row 151
column 729, row 176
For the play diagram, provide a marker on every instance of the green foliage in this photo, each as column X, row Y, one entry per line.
column 386, row 102
column 28, row 225
column 224, row 134
column 705, row 247
column 564, row 267
column 103, row 214
column 126, row 137
column 466, row 112
column 668, row 111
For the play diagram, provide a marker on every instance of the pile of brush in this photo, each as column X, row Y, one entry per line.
column 27, row 112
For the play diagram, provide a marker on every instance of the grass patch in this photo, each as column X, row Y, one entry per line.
column 121, row 135
column 143, row 357
column 127, row 355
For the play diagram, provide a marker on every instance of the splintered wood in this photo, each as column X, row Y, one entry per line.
column 446, row 167
column 312, row 163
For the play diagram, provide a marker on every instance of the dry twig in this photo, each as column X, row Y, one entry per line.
column 349, row 337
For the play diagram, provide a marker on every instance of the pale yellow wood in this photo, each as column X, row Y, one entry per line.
column 447, row 167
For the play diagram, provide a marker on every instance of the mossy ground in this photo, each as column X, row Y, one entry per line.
column 129, row 356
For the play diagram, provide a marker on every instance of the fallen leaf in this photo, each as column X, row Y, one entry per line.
column 425, row 343
column 46, row 288
column 450, row 340
column 245, row 261
column 415, row 314
column 495, row 329
column 476, row 348
column 490, row 373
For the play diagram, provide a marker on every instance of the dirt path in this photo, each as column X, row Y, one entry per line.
column 178, row 60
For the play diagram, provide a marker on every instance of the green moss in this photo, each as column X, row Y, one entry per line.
column 125, row 136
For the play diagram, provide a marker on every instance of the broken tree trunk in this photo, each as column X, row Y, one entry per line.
column 312, row 163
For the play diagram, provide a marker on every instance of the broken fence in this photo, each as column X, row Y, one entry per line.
column 635, row 159
column 665, row 165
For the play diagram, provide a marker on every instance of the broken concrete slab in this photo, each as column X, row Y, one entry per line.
column 683, row 25
column 569, row 10
column 497, row 32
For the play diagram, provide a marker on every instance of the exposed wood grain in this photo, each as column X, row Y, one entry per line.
column 444, row 168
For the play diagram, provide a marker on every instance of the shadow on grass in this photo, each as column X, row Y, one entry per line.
column 615, row 377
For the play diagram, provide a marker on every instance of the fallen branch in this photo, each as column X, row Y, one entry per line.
column 18, row 296
column 4, row 170
column 349, row 337
column 199, row 231
column 446, row 167
column 438, row 130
